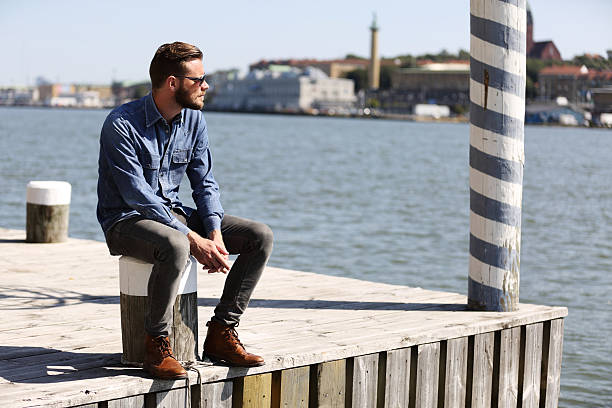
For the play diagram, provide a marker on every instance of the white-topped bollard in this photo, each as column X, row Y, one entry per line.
column 133, row 280
column 48, row 205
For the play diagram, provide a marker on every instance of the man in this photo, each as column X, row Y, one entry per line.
column 146, row 147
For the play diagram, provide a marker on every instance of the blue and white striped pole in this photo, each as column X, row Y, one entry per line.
column 497, row 93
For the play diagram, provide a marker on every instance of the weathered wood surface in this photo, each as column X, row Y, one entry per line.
column 290, row 388
column 213, row 395
column 532, row 365
column 137, row 401
column 328, row 384
column 551, row 367
column 456, row 372
column 184, row 327
column 62, row 332
column 178, row 397
column 428, row 365
column 395, row 389
column 482, row 379
column 497, row 155
column 253, row 391
column 47, row 223
column 364, row 383
column 509, row 356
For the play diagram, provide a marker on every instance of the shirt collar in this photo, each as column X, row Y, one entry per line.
column 152, row 115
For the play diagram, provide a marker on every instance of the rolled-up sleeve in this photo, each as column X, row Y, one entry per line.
column 126, row 170
column 205, row 189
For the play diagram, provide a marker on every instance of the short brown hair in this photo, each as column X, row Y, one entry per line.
column 170, row 59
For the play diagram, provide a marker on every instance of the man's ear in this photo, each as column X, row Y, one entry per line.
column 171, row 83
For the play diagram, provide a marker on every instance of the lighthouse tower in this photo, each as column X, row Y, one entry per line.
column 374, row 71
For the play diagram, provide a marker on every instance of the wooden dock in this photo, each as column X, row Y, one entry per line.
column 327, row 341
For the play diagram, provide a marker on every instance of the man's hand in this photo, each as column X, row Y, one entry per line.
column 210, row 252
column 216, row 237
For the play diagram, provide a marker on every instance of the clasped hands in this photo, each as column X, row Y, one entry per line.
column 210, row 251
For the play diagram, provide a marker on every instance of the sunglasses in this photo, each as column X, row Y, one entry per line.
column 198, row 80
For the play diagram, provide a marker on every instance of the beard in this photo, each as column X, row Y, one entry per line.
column 185, row 99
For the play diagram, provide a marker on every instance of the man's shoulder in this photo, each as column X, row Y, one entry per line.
column 132, row 112
column 193, row 117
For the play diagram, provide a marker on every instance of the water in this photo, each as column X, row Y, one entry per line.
column 378, row 200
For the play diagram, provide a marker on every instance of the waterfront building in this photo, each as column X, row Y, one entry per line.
column 337, row 68
column 18, row 96
column 430, row 83
column 284, row 89
column 544, row 50
column 602, row 106
column 123, row 92
column 62, row 100
column 104, row 94
column 78, row 96
column 572, row 82
column 49, row 91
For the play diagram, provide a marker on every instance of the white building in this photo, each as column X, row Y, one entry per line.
column 89, row 99
column 285, row 89
column 19, row 96
column 86, row 99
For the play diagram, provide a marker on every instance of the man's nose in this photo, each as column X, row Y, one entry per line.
column 204, row 85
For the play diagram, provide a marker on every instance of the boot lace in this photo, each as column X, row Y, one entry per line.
column 233, row 335
column 164, row 347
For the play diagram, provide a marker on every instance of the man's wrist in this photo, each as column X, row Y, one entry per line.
column 214, row 234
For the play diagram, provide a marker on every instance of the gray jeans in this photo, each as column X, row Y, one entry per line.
column 168, row 250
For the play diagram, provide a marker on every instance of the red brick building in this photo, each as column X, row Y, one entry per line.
column 544, row 50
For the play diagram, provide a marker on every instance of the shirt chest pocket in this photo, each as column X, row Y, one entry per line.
column 180, row 159
column 150, row 167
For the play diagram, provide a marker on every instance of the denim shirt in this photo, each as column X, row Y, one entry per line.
column 142, row 162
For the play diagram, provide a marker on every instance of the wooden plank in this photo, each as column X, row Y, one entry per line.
column 437, row 327
column 290, row 387
column 178, row 397
column 509, row 357
column 427, row 375
column 327, row 384
column 364, row 381
column 456, row 371
column 212, row 395
column 253, row 391
column 551, row 363
column 532, row 366
column 136, row 401
column 482, row 380
column 396, row 385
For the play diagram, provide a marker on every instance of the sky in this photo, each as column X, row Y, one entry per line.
column 96, row 42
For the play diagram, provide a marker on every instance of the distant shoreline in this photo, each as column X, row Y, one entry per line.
column 383, row 116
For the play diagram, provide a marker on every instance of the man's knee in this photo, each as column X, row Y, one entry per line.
column 174, row 249
column 264, row 237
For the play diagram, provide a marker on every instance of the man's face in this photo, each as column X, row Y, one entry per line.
column 190, row 93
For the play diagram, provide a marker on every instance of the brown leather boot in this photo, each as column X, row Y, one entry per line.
column 222, row 344
column 159, row 360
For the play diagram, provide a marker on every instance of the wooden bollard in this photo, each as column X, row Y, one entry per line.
column 134, row 278
column 497, row 113
column 48, row 206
